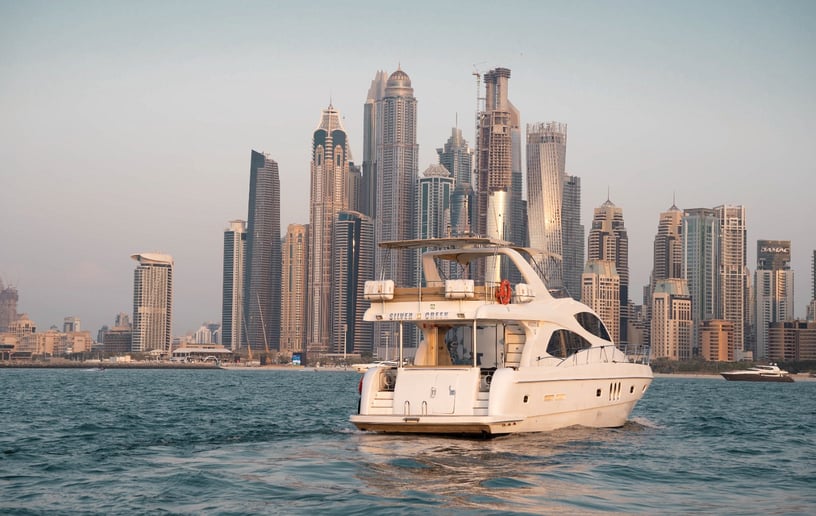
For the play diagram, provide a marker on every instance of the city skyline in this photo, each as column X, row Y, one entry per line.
column 708, row 105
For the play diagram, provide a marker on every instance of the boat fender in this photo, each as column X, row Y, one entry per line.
column 360, row 386
column 504, row 293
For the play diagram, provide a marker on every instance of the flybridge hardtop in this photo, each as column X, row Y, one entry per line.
column 497, row 352
column 406, row 303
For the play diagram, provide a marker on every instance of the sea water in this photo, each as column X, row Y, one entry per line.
column 279, row 442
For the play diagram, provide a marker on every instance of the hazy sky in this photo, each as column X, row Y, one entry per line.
column 126, row 127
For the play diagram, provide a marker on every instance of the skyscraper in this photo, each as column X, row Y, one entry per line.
column 294, row 288
column 433, row 202
column 546, row 156
column 262, row 288
column 811, row 310
column 434, row 194
column 572, row 235
column 152, row 302
column 716, row 340
column 71, row 324
column 355, row 188
column 372, row 139
column 701, row 237
column 792, row 340
column 671, row 325
column 329, row 196
column 353, row 263
column 667, row 264
column 608, row 241
column 457, row 157
column 773, row 286
column 8, row 306
column 733, row 280
column 600, row 290
column 232, row 293
column 668, row 246
column 396, row 175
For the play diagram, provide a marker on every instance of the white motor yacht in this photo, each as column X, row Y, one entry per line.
column 759, row 373
column 498, row 353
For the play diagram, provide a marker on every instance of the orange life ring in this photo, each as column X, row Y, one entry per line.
column 504, row 293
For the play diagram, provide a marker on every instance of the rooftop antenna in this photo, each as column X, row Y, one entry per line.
column 477, row 74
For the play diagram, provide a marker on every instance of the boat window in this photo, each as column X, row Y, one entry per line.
column 593, row 325
column 564, row 343
column 459, row 341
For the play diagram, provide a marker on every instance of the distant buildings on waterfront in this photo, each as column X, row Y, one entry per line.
column 300, row 293
column 232, row 298
column 152, row 302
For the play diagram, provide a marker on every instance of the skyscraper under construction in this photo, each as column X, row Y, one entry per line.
column 500, row 212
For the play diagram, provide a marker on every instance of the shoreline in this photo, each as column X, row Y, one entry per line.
column 67, row 364
column 104, row 365
column 797, row 377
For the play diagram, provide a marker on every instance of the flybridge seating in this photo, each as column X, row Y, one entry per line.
column 461, row 289
column 461, row 253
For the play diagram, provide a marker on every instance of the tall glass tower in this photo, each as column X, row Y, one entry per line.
column 397, row 174
column 152, row 302
column 433, row 202
column 572, row 234
column 701, row 237
column 546, row 156
column 353, row 263
column 262, row 288
column 372, row 139
column 233, row 285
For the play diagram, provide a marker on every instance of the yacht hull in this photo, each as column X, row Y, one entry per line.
column 515, row 402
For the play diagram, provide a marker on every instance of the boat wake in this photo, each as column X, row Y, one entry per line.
column 638, row 423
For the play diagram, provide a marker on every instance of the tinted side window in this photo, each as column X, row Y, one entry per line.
column 593, row 325
column 564, row 343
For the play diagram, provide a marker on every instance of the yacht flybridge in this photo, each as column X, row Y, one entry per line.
column 497, row 352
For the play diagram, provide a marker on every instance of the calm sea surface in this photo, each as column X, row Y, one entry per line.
column 279, row 442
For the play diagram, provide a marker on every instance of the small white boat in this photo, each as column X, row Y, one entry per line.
column 759, row 373
column 362, row 368
column 495, row 357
